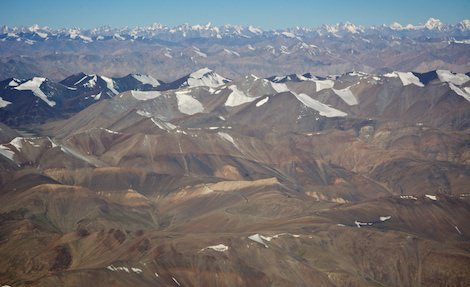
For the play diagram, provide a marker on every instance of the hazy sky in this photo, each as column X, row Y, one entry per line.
column 271, row 14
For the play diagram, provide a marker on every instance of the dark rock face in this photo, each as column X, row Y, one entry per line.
column 62, row 260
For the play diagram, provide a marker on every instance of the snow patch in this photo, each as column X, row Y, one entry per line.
column 187, row 104
column 237, row 97
column 288, row 34
column 109, row 84
column 146, row 80
column 257, row 238
column 385, row 218
column 205, row 77
column 79, row 81
column 347, row 96
column 176, row 281
column 17, row 143
column 34, row 85
column 124, row 268
column 12, row 83
column 92, row 82
column 324, row 84
column 359, row 224
column 4, row 103
column 218, row 248
column 228, row 138
column 144, row 113
column 464, row 93
column 163, row 125
column 6, row 152
column 323, row 109
column 85, row 38
column 390, row 75
column 53, row 144
column 200, row 73
column 280, row 87
column 230, row 52
column 409, row 78
column 262, row 102
column 97, row 96
column 147, row 95
column 201, row 54
column 110, row 131
column 449, row 77
column 408, row 197
column 255, row 30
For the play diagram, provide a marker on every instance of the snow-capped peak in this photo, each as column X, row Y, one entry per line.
column 255, row 30
column 205, row 77
column 146, row 79
column 34, row 28
column 350, row 27
column 200, row 73
column 433, row 24
column 34, row 85
column 464, row 25
column 396, row 26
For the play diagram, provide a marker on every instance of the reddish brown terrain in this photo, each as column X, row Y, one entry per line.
column 351, row 180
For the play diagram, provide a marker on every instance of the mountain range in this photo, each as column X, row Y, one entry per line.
column 295, row 179
column 171, row 52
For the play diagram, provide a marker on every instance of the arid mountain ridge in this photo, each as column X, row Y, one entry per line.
column 358, row 179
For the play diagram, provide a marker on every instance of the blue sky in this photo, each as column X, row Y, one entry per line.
column 271, row 14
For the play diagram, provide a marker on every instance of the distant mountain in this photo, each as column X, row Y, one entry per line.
column 168, row 53
column 202, row 77
column 158, row 31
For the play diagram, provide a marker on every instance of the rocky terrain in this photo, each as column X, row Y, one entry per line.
column 358, row 179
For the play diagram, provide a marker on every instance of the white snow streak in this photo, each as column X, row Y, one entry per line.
column 228, row 138
column 218, row 248
column 176, row 281
column 110, row 84
column 34, row 86
column 230, row 52
column 464, row 93
column 262, row 102
column 323, row 109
